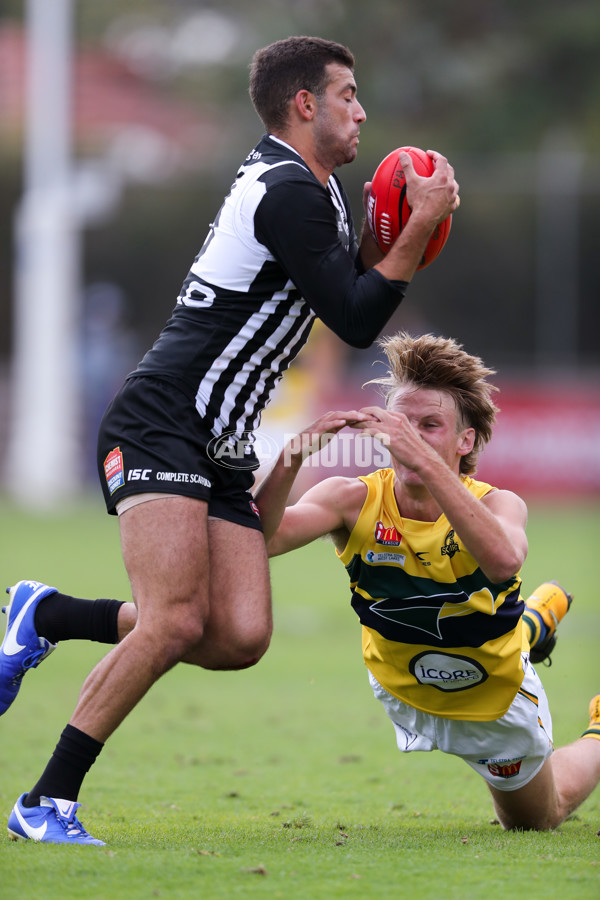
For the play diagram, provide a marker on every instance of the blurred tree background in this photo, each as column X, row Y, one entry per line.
column 509, row 91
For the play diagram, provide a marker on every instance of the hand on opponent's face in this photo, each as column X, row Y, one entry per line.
column 317, row 435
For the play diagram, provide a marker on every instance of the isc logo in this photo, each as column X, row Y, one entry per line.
column 139, row 475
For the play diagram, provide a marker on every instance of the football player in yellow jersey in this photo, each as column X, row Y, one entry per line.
column 433, row 558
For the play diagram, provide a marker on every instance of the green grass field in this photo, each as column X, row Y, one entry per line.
column 284, row 780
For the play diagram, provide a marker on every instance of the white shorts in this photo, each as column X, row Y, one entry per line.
column 507, row 752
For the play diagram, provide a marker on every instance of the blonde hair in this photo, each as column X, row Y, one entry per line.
column 441, row 363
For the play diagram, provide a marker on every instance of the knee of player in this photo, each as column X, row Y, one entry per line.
column 177, row 637
column 244, row 649
column 251, row 645
column 233, row 663
column 247, row 663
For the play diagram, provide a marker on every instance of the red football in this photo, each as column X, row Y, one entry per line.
column 387, row 209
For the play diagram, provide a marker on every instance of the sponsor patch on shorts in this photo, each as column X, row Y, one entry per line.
column 502, row 768
column 114, row 470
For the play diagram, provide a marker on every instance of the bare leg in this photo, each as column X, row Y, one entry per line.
column 239, row 624
column 127, row 619
column 165, row 550
column 240, row 621
column 167, row 545
column 565, row 780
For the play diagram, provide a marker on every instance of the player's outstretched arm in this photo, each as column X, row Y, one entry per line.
column 329, row 508
column 323, row 509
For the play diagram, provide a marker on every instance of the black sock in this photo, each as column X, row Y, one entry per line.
column 72, row 759
column 59, row 617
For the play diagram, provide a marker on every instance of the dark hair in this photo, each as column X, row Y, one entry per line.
column 441, row 363
column 279, row 71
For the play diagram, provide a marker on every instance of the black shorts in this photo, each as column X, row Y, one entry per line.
column 153, row 440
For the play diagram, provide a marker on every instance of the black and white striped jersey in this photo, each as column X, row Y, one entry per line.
column 281, row 251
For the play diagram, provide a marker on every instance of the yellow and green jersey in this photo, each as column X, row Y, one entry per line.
column 437, row 633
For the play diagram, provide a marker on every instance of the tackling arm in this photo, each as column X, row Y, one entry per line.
column 324, row 509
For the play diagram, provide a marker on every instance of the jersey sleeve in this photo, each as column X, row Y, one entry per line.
column 296, row 221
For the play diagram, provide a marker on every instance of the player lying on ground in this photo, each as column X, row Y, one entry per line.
column 433, row 558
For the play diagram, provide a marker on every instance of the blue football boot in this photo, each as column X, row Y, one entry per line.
column 22, row 648
column 53, row 822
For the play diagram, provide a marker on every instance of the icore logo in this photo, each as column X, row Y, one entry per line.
column 447, row 672
column 242, row 451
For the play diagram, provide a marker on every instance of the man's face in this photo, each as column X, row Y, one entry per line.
column 435, row 417
column 338, row 119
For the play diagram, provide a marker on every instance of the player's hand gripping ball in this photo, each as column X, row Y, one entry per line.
column 387, row 209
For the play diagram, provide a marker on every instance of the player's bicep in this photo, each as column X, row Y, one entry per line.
column 301, row 524
column 316, row 514
column 511, row 512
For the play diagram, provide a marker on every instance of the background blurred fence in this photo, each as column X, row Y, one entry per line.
column 156, row 120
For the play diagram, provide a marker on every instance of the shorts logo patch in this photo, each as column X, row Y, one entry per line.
column 504, row 768
column 409, row 736
column 114, row 471
column 178, row 477
column 254, row 508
